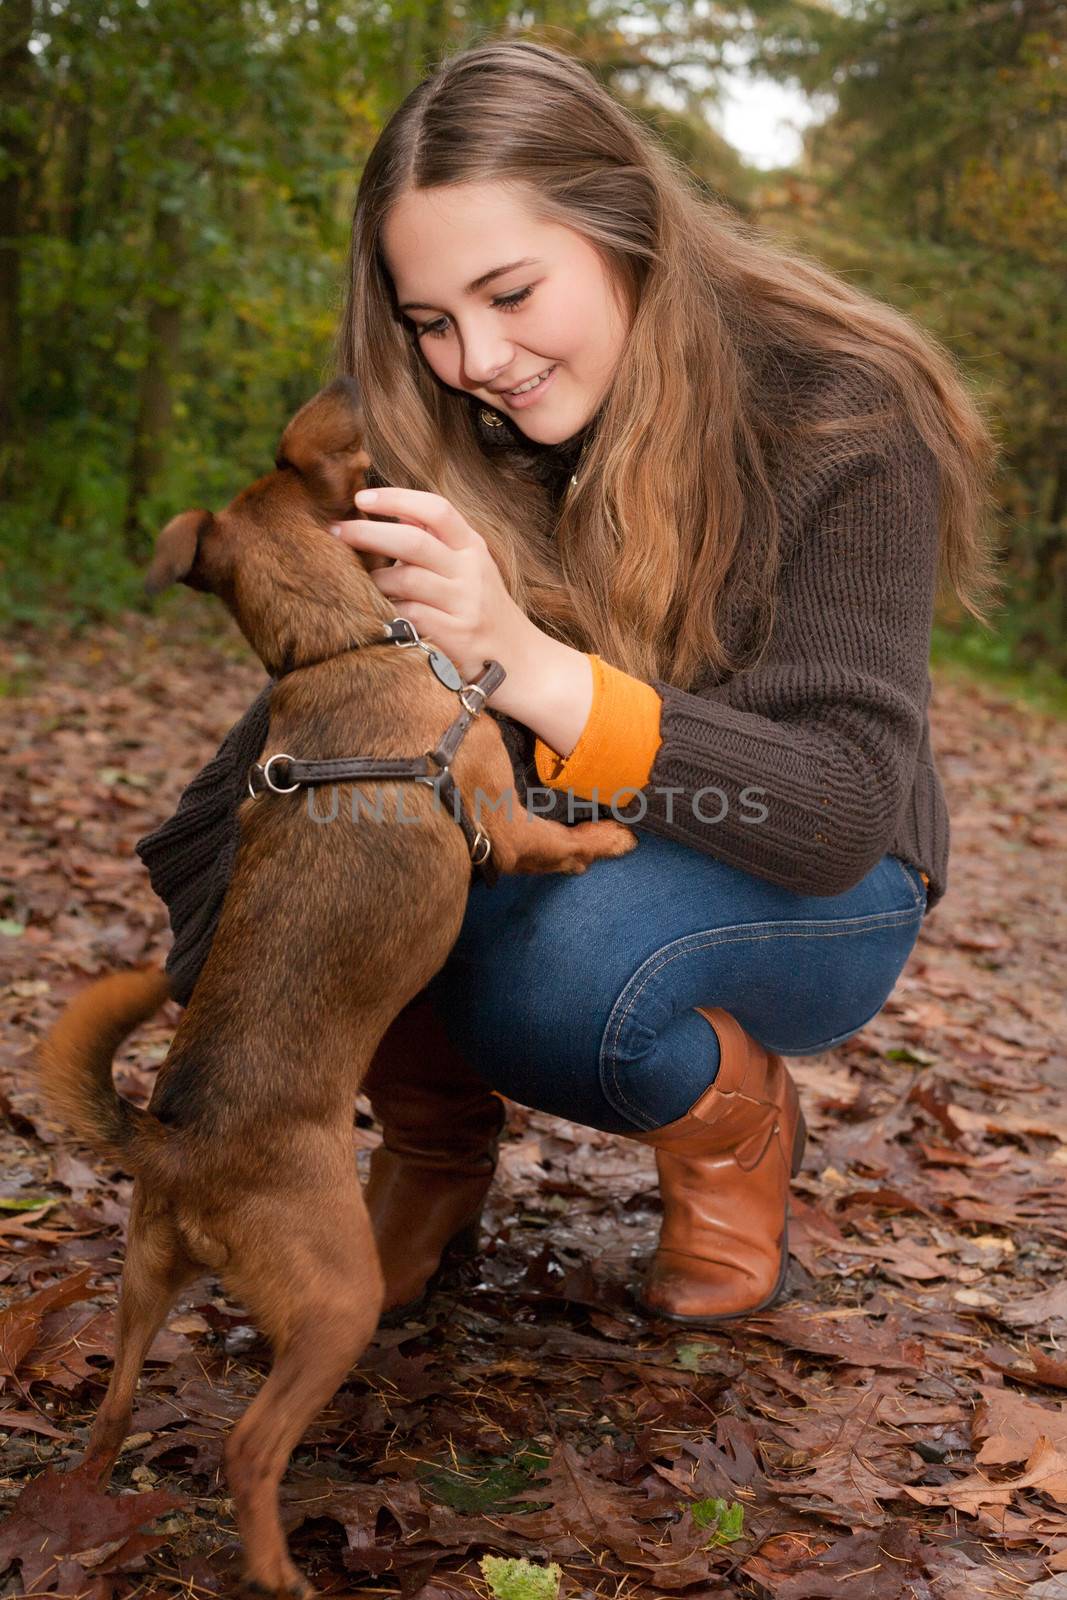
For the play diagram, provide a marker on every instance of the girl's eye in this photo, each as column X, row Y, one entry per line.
column 506, row 302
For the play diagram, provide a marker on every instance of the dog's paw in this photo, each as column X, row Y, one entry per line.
column 289, row 1586
column 601, row 840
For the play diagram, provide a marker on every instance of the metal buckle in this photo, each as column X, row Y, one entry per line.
column 414, row 643
column 268, row 780
column 481, row 838
column 472, row 688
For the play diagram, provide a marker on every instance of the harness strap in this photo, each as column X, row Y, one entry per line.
column 482, row 686
column 283, row 774
column 290, row 774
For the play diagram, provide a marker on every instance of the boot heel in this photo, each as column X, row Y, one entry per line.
column 463, row 1245
column 466, row 1242
column 800, row 1139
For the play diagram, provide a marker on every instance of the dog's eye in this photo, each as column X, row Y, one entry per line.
column 282, row 462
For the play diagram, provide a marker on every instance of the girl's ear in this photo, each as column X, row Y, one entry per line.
column 178, row 551
column 324, row 444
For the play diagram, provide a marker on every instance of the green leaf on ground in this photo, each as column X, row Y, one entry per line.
column 512, row 1578
column 725, row 1518
column 918, row 1058
column 690, row 1357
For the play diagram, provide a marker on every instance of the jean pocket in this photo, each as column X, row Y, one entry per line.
column 915, row 880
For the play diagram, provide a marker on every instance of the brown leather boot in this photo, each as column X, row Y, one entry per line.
column 724, row 1171
column 430, row 1175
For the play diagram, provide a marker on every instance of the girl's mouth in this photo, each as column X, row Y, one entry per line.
column 530, row 395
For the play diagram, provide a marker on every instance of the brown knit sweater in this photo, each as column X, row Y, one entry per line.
column 816, row 761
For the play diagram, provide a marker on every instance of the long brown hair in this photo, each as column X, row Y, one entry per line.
column 675, row 507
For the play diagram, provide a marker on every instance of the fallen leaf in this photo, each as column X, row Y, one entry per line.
column 61, row 1513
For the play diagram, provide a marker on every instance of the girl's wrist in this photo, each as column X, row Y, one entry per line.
column 549, row 687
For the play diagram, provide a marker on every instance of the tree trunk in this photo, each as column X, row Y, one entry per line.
column 413, row 37
column 155, row 397
column 16, row 146
column 75, row 174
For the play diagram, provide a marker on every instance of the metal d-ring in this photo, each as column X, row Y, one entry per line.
column 271, row 785
column 480, row 838
column 431, row 778
column 472, row 688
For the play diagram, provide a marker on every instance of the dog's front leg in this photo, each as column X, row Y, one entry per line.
column 533, row 844
column 522, row 842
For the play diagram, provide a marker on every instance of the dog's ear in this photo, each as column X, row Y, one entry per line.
column 324, row 444
column 177, row 553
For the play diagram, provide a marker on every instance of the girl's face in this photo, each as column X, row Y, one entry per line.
column 554, row 309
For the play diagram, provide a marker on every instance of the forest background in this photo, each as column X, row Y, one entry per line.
column 176, row 185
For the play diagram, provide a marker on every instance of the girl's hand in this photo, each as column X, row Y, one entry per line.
column 444, row 581
column 448, row 586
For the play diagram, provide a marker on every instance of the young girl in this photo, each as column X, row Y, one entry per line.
column 696, row 494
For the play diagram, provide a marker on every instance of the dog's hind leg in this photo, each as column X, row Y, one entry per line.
column 154, row 1272
column 315, row 1288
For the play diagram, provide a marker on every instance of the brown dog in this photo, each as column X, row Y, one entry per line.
column 243, row 1162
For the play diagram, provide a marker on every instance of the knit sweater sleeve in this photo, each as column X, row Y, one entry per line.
column 797, row 768
column 190, row 857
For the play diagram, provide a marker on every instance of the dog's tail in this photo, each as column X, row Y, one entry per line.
column 74, row 1060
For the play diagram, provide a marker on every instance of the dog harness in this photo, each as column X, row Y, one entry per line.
column 282, row 774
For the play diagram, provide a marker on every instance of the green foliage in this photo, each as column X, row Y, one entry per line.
column 937, row 184
column 999, row 660
column 516, row 1579
column 186, row 175
column 181, row 247
column 725, row 1518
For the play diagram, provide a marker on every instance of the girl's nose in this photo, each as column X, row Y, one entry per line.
column 486, row 359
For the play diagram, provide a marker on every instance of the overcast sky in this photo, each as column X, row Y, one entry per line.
column 762, row 119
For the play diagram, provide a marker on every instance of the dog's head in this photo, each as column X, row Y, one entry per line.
column 296, row 592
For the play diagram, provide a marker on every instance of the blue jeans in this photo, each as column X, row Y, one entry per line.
column 575, row 995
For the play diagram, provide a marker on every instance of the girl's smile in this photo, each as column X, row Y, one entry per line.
column 532, row 391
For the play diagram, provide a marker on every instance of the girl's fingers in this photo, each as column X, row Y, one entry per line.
column 432, row 510
column 415, row 583
column 372, row 560
column 399, row 540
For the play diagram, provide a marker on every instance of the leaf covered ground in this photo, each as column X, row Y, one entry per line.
column 894, row 1429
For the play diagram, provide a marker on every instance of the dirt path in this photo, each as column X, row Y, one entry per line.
column 894, row 1428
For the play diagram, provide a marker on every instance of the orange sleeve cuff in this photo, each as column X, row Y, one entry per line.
column 617, row 746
